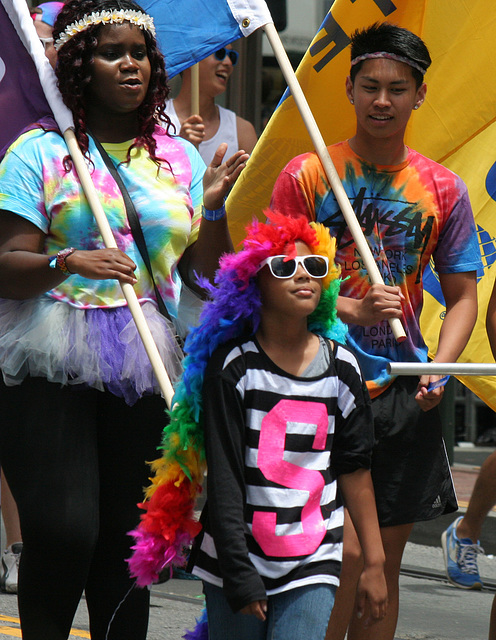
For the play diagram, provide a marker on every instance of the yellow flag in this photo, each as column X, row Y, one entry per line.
column 455, row 126
column 475, row 162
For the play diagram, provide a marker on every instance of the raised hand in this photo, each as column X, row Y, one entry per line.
column 220, row 176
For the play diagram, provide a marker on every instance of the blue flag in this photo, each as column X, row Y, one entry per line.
column 190, row 30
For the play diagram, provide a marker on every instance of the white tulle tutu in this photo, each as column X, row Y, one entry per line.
column 96, row 347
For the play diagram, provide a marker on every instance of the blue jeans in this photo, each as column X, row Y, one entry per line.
column 292, row 615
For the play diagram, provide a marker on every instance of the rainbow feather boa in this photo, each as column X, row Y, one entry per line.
column 168, row 524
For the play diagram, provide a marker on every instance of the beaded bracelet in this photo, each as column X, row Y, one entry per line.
column 58, row 261
column 213, row 214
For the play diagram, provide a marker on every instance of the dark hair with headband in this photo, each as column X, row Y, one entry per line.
column 74, row 67
column 384, row 37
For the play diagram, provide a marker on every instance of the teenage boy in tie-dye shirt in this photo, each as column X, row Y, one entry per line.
column 410, row 209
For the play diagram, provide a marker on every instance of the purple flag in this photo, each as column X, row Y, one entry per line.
column 22, row 100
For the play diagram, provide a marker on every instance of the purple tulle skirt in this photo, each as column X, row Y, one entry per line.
column 99, row 347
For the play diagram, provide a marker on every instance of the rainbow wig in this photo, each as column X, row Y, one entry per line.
column 168, row 524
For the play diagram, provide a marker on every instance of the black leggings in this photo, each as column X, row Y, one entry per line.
column 75, row 462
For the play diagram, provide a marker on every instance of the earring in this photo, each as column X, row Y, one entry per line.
column 352, row 101
column 416, row 106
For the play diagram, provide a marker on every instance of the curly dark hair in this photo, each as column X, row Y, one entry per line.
column 73, row 72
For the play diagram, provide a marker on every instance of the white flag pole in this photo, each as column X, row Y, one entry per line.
column 441, row 368
column 332, row 175
column 19, row 15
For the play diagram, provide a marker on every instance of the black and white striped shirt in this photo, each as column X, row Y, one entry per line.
column 275, row 444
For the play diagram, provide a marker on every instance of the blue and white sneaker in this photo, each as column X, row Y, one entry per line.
column 460, row 558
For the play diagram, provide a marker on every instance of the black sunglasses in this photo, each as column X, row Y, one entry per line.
column 222, row 53
column 282, row 267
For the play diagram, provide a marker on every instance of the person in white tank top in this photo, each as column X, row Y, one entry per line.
column 214, row 124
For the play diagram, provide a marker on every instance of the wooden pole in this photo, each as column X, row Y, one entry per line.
column 332, row 175
column 195, row 89
column 127, row 289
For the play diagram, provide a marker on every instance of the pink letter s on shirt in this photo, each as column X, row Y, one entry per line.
column 276, row 469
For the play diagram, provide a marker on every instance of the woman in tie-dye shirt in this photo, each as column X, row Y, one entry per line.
column 81, row 408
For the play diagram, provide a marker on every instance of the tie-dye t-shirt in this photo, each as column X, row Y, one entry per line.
column 408, row 213
column 35, row 185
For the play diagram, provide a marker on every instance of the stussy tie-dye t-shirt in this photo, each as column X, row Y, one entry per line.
column 167, row 200
column 408, row 213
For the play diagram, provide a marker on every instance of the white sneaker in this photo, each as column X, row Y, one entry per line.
column 9, row 568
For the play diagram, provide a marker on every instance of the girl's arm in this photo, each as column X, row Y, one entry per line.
column 25, row 271
column 358, row 495
column 224, row 426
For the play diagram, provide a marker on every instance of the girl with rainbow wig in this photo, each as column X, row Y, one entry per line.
column 278, row 411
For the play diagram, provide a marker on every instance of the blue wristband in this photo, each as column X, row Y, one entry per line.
column 213, row 214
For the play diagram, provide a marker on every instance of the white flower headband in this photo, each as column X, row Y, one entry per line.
column 140, row 19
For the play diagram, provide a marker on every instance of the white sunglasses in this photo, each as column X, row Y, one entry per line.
column 284, row 267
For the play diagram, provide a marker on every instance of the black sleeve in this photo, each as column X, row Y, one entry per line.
column 224, row 420
column 354, row 429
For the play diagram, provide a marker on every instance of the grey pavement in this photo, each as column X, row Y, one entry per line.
column 467, row 461
column 172, row 611
column 430, row 608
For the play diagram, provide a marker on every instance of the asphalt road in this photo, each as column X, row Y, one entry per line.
column 430, row 608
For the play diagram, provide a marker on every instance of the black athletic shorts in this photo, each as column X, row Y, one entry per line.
column 410, row 468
